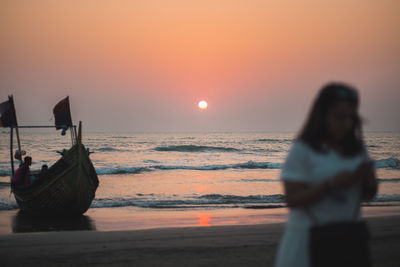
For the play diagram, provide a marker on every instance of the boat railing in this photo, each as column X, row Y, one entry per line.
column 74, row 139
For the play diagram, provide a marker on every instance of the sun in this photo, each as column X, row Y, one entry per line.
column 203, row 104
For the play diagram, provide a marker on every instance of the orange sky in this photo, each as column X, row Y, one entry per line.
column 144, row 65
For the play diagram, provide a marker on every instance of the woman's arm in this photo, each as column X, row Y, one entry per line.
column 299, row 194
column 369, row 184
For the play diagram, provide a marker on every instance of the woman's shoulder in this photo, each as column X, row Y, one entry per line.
column 297, row 164
column 300, row 152
column 300, row 147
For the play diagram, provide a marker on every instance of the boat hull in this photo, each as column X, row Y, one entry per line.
column 68, row 187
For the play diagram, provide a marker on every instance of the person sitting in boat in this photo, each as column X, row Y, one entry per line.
column 23, row 173
column 43, row 171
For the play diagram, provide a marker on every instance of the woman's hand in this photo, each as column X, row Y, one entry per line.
column 299, row 194
column 344, row 179
column 364, row 174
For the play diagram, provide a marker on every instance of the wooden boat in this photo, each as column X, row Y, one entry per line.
column 69, row 185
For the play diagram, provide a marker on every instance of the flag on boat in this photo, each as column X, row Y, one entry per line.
column 62, row 114
column 7, row 113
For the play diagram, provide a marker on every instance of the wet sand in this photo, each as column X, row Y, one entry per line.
column 246, row 245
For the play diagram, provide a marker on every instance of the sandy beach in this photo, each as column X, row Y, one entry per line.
column 243, row 245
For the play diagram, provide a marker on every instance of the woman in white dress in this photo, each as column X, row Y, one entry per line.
column 326, row 173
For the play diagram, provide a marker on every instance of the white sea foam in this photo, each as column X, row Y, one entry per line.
column 122, row 170
column 393, row 163
column 195, row 148
column 245, row 165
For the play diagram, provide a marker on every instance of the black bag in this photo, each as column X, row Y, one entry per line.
column 340, row 245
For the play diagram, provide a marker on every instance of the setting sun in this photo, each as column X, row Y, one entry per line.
column 203, row 104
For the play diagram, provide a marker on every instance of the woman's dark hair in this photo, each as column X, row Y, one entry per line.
column 315, row 132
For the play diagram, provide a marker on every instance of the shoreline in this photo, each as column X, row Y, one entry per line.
column 234, row 245
column 134, row 218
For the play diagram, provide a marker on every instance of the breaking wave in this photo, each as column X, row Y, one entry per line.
column 268, row 140
column 5, row 173
column 392, row 163
column 8, row 205
column 260, row 180
column 196, row 201
column 133, row 170
column 232, row 199
column 202, row 201
column 195, row 148
column 4, row 184
column 214, row 201
column 389, row 180
column 136, row 170
column 387, row 198
column 110, row 149
column 247, row 165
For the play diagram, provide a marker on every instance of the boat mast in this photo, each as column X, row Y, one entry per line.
column 19, row 143
column 16, row 130
column 12, row 140
column 75, row 133
column 11, row 152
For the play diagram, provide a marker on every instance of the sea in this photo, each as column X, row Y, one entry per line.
column 189, row 171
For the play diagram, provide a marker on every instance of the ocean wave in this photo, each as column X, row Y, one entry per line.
column 110, row 149
column 263, row 206
column 268, row 140
column 137, row 170
column 132, row 170
column 120, row 137
column 150, row 161
column 259, row 180
column 265, row 150
column 5, row 184
column 5, row 173
column 193, row 202
column 247, row 165
column 8, row 205
column 203, row 201
column 387, row 198
column 392, row 163
column 215, row 201
column 195, row 148
column 383, row 163
column 389, row 180
column 233, row 199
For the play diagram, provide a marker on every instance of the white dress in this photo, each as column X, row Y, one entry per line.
column 304, row 164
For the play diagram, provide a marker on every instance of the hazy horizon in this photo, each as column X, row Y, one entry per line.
column 143, row 66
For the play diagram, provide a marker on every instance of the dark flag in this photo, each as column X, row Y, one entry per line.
column 62, row 114
column 7, row 113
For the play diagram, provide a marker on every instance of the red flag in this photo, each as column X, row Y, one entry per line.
column 7, row 113
column 62, row 114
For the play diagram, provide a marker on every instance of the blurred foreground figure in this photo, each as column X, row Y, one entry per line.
column 326, row 175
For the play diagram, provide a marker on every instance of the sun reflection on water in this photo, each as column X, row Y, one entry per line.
column 204, row 219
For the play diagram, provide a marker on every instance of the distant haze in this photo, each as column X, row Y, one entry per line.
column 144, row 65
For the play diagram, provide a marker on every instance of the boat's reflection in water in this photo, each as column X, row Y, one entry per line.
column 24, row 222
